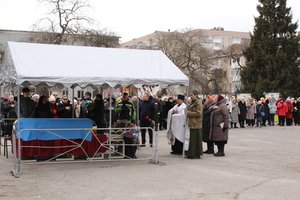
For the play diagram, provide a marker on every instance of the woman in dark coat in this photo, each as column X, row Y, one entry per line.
column 297, row 112
column 43, row 108
column 64, row 108
column 98, row 112
column 243, row 112
column 219, row 125
column 260, row 113
column 207, row 109
column 267, row 111
column 168, row 105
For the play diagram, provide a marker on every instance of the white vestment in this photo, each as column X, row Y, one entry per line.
column 177, row 126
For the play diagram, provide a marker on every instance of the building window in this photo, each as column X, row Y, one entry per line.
column 217, row 40
column 236, row 40
column 217, row 46
column 80, row 94
column 65, row 92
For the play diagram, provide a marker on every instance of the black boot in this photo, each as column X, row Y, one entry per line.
column 235, row 125
column 220, row 152
column 231, row 124
column 242, row 124
column 210, row 148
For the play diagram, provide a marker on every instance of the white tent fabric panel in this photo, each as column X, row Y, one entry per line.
column 80, row 65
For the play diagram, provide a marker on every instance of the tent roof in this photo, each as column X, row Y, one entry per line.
column 68, row 65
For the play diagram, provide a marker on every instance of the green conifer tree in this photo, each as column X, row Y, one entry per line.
column 273, row 54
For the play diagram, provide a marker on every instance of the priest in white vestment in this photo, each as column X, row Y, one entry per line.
column 177, row 131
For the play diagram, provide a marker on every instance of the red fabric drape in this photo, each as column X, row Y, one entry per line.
column 89, row 147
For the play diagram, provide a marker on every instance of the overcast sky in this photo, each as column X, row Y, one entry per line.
column 135, row 18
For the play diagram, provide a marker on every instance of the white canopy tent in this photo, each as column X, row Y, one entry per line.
column 31, row 64
column 69, row 65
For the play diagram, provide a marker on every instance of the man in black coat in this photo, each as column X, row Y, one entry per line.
column 125, row 109
column 27, row 106
column 87, row 105
column 147, row 118
column 98, row 112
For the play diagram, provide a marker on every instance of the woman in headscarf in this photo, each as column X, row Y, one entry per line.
column 53, row 106
column 195, row 114
column 219, row 125
column 251, row 111
column 272, row 111
column 235, row 111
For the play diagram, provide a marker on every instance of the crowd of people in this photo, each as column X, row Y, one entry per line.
column 204, row 121
column 188, row 121
column 249, row 112
column 210, row 123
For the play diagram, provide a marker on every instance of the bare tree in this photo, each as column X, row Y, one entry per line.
column 235, row 52
column 218, row 79
column 65, row 24
column 46, row 37
column 99, row 38
column 65, row 17
column 185, row 49
column 237, row 61
column 2, row 54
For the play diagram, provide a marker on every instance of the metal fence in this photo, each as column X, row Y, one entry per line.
column 107, row 144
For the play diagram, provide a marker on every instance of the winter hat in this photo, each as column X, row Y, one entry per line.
column 11, row 97
column 243, row 99
column 180, row 97
column 196, row 92
column 35, row 96
column 26, row 89
column 259, row 102
column 52, row 98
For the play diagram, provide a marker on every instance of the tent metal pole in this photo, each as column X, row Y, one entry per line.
column 186, row 125
column 18, row 158
column 15, row 161
column 110, row 116
column 110, row 108
column 138, row 110
column 72, row 101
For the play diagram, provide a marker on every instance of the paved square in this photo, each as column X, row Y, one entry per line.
column 260, row 163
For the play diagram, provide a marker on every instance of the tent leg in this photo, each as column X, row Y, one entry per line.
column 184, row 136
column 154, row 159
column 110, row 117
column 16, row 171
column 72, row 101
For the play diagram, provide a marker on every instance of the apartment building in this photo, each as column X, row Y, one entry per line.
column 218, row 42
